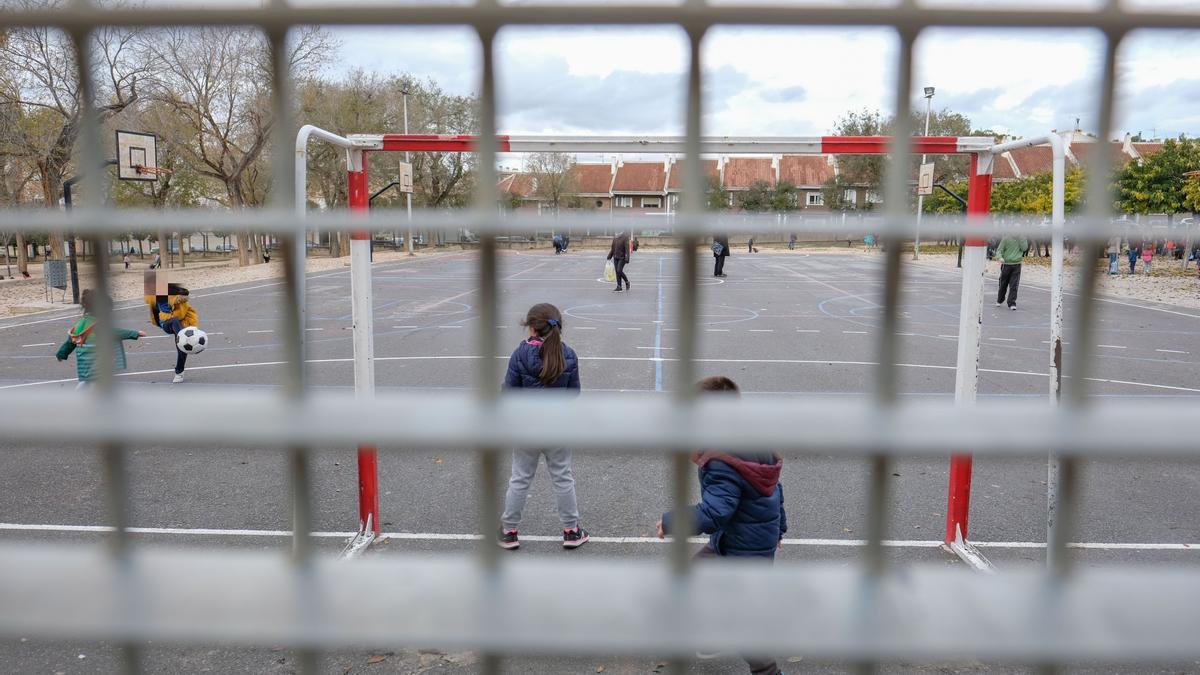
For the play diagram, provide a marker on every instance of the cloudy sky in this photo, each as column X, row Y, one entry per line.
column 773, row 81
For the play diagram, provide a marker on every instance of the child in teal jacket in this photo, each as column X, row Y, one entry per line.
column 80, row 339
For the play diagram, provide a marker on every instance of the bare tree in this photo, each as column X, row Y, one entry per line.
column 217, row 80
column 43, row 84
column 553, row 176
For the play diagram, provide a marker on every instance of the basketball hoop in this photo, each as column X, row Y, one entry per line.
column 151, row 170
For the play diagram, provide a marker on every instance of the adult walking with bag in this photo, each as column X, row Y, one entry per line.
column 619, row 255
column 720, row 249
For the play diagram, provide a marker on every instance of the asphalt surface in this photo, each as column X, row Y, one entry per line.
column 781, row 324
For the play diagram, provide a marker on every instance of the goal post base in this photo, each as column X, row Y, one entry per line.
column 970, row 555
column 360, row 542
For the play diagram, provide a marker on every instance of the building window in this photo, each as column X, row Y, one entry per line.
column 873, row 197
column 850, row 197
column 623, row 202
column 815, row 199
column 651, row 202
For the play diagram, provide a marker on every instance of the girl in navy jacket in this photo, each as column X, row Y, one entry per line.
column 542, row 361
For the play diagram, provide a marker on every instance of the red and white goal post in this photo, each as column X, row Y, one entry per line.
column 982, row 153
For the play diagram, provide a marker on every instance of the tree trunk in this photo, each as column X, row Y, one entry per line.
column 22, row 255
column 182, row 259
column 243, row 246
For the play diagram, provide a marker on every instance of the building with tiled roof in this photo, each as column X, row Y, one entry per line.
column 640, row 186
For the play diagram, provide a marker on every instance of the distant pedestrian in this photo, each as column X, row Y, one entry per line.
column 869, row 240
column 1135, row 251
column 566, row 242
column 792, row 241
column 741, row 506
column 1114, row 249
column 720, row 249
column 542, row 361
column 125, row 259
column 1147, row 257
column 157, row 262
column 1011, row 253
column 750, row 245
column 266, row 256
column 619, row 254
column 558, row 244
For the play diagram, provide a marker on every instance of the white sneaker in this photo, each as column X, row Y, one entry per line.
column 177, row 379
column 999, row 304
column 1013, row 307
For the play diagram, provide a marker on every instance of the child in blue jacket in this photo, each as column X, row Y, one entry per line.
column 741, row 505
column 542, row 361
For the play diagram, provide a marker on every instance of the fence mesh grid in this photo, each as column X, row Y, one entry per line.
column 862, row 614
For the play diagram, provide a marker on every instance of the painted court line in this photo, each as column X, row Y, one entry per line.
column 1003, row 339
column 584, row 328
column 762, row 330
column 403, row 326
column 628, row 328
column 807, row 330
column 455, row 536
column 39, row 344
column 449, row 326
column 1111, row 346
column 260, row 331
column 854, row 332
column 952, row 337
column 1170, row 351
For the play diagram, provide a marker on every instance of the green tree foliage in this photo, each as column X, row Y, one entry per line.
column 834, row 193
column 1191, row 194
column 783, row 197
column 757, row 198
column 1157, row 184
column 714, row 198
column 1029, row 195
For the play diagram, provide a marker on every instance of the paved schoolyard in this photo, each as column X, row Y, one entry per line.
column 781, row 324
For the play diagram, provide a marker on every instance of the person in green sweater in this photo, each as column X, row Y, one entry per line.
column 81, row 340
column 1010, row 252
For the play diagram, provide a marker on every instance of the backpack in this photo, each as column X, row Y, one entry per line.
column 717, row 248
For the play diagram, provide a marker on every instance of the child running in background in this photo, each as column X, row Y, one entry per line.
column 741, row 505
column 542, row 361
column 1147, row 256
column 82, row 341
column 170, row 311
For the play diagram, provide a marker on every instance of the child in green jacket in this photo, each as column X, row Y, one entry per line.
column 81, row 341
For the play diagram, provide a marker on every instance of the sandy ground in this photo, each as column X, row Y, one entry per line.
column 22, row 296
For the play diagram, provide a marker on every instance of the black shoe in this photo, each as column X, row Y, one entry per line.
column 721, row 275
column 574, row 538
column 507, row 539
column 618, row 289
column 628, row 287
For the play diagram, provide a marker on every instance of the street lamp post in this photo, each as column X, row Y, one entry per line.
column 921, row 198
column 407, row 195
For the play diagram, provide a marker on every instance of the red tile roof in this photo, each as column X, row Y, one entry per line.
column 805, row 170
column 593, row 179
column 1083, row 150
column 520, row 184
column 675, row 180
column 742, row 172
column 1145, row 149
column 640, row 177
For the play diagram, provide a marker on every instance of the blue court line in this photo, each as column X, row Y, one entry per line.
column 658, row 364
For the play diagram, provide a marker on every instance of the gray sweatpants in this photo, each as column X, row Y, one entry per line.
column 524, row 466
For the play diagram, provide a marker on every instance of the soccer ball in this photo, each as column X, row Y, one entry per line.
column 192, row 340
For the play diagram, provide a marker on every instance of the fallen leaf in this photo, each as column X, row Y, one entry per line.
column 846, row 529
column 438, row 460
column 600, row 669
column 377, row 658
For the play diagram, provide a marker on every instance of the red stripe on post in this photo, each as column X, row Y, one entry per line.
column 958, row 505
column 368, row 488
column 438, row 143
column 979, row 198
column 357, row 195
column 878, row 145
column 936, row 145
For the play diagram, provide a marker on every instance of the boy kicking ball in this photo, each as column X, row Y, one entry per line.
column 170, row 311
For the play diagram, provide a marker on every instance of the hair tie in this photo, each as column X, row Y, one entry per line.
column 553, row 323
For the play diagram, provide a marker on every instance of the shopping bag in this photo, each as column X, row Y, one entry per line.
column 610, row 271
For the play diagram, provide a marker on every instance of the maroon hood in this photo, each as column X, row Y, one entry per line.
column 763, row 477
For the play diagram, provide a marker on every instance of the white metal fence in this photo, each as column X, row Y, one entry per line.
column 865, row 613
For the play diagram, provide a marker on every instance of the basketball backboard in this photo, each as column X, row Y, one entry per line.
column 137, row 156
column 404, row 177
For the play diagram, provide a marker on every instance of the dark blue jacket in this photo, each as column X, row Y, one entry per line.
column 525, row 365
column 741, row 504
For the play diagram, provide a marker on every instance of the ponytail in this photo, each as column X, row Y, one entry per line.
column 546, row 321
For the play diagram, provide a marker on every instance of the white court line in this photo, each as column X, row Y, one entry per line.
column 807, row 330
column 455, row 536
column 1170, row 351
column 907, row 334
column 261, row 331
column 716, row 330
column 403, row 326
column 628, row 328
column 1003, row 339
column 449, row 326
column 762, row 330
column 39, row 344
column 1111, row 346
column 311, row 329
column 665, row 349
column 854, row 332
column 953, row 337
column 584, row 328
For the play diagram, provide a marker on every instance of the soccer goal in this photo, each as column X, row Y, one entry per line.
column 982, row 152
